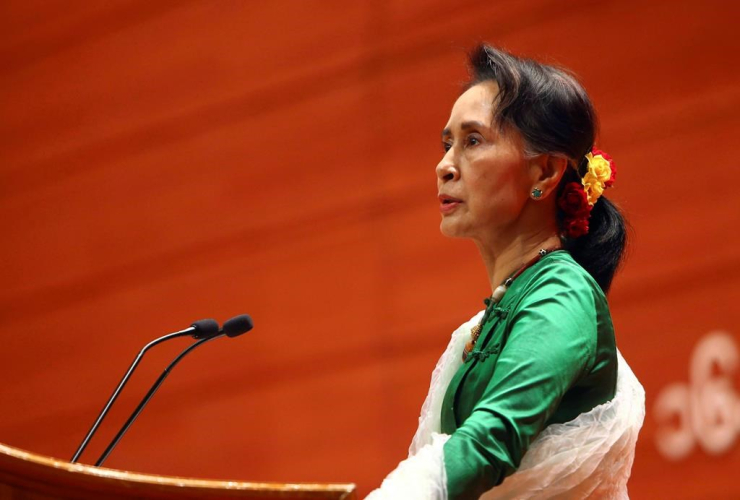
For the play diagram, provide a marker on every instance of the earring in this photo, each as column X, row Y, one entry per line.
column 536, row 193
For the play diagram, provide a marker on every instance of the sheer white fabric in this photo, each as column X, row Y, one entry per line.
column 422, row 475
column 430, row 420
column 419, row 477
column 588, row 457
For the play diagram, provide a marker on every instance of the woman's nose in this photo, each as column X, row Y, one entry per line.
column 446, row 169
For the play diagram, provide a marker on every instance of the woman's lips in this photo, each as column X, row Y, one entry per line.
column 447, row 203
column 448, row 207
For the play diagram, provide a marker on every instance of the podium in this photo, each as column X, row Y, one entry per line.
column 28, row 476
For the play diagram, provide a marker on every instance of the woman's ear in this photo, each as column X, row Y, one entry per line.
column 547, row 170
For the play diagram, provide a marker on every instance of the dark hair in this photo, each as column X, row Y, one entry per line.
column 553, row 113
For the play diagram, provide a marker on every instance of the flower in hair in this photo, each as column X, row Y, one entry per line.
column 576, row 227
column 599, row 175
column 609, row 183
column 578, row 198
column 573, row 201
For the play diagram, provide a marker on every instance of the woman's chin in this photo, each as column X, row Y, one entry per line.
column 448, row 228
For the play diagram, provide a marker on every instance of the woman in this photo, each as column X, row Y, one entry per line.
column 531, row 398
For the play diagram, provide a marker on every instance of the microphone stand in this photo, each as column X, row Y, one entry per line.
column 148, row 396
column 113, row 398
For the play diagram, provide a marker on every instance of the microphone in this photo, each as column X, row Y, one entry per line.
column 237, row 325
column 232, row 328
column 204, row 328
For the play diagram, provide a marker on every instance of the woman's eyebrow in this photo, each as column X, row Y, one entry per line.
column 464, row 126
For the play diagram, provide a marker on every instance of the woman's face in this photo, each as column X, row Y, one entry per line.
column 483, row 180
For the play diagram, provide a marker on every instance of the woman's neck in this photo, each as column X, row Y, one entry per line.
column 504, row 257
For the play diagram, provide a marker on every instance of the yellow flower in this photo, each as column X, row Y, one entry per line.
column 599, row 167
column 592, row 187
column 598, row 173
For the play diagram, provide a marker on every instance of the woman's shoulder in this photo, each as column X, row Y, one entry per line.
column 558, row 279
column 560, row 270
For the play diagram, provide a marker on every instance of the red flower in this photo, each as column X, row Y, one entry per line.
column 612, row 166
column 576, row 227
column 573, row 200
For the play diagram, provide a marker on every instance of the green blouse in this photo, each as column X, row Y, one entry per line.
column 546, row 354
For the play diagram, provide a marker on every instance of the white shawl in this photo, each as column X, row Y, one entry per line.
column 588, row 457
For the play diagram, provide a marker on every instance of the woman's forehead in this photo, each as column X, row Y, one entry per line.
column 475, row 104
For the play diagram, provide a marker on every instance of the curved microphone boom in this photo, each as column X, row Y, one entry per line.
column 202, row 329
column 232, row 328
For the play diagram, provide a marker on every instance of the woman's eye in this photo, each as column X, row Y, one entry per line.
column 446, row 146
column 472, row 140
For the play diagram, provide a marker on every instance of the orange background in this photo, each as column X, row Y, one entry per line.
column 166, row 161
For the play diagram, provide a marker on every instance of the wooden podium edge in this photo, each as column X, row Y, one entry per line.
column 25, row 471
